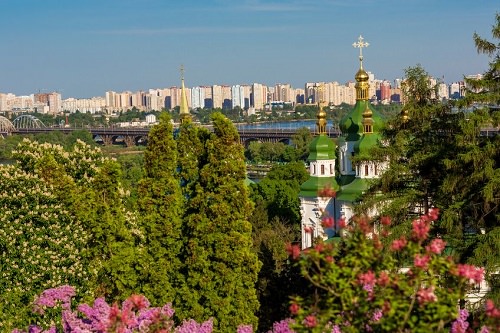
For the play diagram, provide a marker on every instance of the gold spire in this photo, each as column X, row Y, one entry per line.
column 184, row 109
column 404, row 115
column 367, row 120
column 361, row 77
column 321, row 116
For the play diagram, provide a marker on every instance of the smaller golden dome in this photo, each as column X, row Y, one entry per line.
column 361, row 76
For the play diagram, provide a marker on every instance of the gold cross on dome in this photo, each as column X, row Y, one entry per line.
column 360, row 44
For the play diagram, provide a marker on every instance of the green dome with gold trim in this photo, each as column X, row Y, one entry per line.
column 363, row 147
column 351, row 125
column 321, row 148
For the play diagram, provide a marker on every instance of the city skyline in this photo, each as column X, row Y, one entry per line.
column 84, row 48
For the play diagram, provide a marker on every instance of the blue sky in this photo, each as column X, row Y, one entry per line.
column 83, row 48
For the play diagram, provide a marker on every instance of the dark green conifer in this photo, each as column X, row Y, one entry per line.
column 220, row 265
column 161, row 207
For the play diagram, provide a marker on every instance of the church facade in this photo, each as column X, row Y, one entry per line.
column 326, row 195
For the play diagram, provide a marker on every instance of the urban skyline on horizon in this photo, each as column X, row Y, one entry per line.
column 178, row 85
column 84, row 48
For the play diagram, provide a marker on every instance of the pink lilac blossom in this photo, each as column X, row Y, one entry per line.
column 433, row 214
column 436, row 246
column 36, row 329
column 367, row 280
column 398, row 244
column 293, row 251
column 310, row 321
column 460, row 325
column 491, row 310
column 327, row 222
column 377, row 315
column 51, row 297
column 421, row 228
column 282, row 326
column 421, row 261
column 191, row 326
column 474, row 274
column 245, row 329
column 426, row 295
column 294, row 308
column 336, row 329
column 385, row 220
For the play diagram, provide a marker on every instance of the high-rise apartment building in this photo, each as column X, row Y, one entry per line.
column 237, row 96
column 259, row 96
column 217, row 99
column 198, row 97
column 226, row 97
column 385, row 91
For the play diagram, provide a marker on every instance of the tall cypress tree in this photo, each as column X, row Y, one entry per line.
column 221, row 269
column 161, row 207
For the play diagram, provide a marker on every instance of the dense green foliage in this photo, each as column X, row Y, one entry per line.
column 221, row 268
column 279, row 191
column 486, row 90
column 437, row 158
column 275, row 224
column 160, row 208
column 63, row 221
column 360, row 285
column 8, row 144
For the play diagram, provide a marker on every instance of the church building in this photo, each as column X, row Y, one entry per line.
column 360, row 132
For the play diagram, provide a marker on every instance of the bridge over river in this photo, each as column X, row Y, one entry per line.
column 131, row 136
column 139, row 136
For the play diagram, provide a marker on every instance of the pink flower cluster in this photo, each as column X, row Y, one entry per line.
column 399, row 244
column 491, row 310
column 421, row 261
column 473, row 273
column 436, row 246
column 51, row 297
column 293, row 250
column 426, row 295
column 367, row 280
column 461, row 324
column 422, row 226
column 134, row 315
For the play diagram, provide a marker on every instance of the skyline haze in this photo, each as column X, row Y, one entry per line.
column 84, row 48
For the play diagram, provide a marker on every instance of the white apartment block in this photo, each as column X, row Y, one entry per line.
column 237, row 97
column 198, row 97
column 90, row 105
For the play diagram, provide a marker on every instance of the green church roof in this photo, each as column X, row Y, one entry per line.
column 313, row 185
column 353, row 191
column 322, row 147
column 351, row 125
column 365, row 144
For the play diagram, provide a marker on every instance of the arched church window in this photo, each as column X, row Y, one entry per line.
column 331, row 169
column 366, row 170
column 322, row 169
column 314, row 169
column 376, row 170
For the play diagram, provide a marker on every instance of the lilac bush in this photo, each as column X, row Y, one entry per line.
column 363, row 285
column 134, row 315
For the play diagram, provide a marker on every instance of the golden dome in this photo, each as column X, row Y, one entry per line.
column 361, row 75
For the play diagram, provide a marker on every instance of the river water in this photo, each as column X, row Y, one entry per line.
column 285, row 125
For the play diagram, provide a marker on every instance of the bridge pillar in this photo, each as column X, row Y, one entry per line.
column 107, row 140
column 129, row 140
